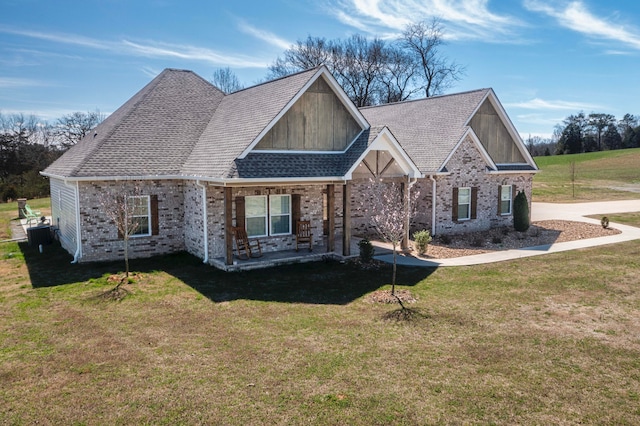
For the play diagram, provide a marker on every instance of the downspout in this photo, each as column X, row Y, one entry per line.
column 76, row 191
column 204, row 221
column 433, row 205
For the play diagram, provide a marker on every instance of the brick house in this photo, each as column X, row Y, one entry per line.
column 267, row 156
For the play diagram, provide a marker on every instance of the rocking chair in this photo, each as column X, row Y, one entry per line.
column 303, row 234
column 246, row 248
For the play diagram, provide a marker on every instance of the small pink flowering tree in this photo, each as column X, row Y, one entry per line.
column 391, row 207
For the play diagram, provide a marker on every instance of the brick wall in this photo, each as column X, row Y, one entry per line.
column 466, row 168
column 99, row 235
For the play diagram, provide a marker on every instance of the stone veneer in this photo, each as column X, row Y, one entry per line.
column 99, row 236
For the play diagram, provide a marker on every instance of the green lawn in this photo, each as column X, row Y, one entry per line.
column 598, row 176
column 545, row 340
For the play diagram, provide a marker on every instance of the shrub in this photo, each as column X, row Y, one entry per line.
column 366, row 250
column 477, row 241
column 605, row 222
column 496, row 239
column 521, row 219
column 445, row 239
column 422, row 240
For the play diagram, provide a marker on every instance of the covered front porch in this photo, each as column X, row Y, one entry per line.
column 286, row 257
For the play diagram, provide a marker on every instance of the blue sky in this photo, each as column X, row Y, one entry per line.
column 545, row 59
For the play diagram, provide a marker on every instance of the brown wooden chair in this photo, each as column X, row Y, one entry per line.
column 303, row 234
column 246, row 247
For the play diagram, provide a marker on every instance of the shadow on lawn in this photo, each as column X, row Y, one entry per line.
column 327, row 282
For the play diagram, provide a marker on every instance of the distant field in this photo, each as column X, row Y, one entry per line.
column 606, row 175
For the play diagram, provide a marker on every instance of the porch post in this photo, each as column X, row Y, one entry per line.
column 228, row 224
column 346, row 219
column 404, row 244
column 331, row 218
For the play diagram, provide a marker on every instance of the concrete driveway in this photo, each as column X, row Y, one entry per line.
column 544, row 211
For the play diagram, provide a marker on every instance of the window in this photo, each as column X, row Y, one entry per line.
column 256, row 215
column 505, row 199
column 280, row 214
column 140, row 209
column 272, row 219
column 464, row 203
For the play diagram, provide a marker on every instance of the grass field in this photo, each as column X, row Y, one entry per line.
column 545, row 340
column 598, row 176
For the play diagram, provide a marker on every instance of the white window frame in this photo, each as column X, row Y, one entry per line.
column 148, row 215
column 460, row 192
column 264, row 216
column 502, row 199
column 272, row 215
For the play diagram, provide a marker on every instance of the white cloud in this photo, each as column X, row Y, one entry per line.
column 462, row 18
column 264, row 36
column 541, row 104
column 145, row 49
column 168, row 50
column 11, row 82
column 577, row 17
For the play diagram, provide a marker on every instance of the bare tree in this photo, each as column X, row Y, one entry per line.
column 226, row 80
column 374, row 71
column 572, row 176
column 391, row 207
column 358, row 63
column 304, row 55
column 422, row 41
column 397, row 79
column 121, row 203
column 71, row 128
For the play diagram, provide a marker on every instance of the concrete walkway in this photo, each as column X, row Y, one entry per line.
column 544, row 211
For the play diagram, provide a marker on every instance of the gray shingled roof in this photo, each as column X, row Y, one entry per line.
column 181, row 125
column 428, row 129
column 261, row 164
column 153, row 133
column 238, row 120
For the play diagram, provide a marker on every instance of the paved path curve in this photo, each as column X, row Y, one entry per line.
column 544, row 211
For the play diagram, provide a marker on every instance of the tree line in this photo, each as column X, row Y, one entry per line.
column 580, row 133
column 28, row 145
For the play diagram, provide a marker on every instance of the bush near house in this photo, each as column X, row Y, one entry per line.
column 521, row 220
column 422, row 240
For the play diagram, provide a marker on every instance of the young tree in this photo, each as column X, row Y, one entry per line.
column 120, row 203
column 226, row 80
column 390, row 207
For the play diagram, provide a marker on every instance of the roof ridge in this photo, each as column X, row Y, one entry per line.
column 276, row 79
column 466, row 92
column 144, row 92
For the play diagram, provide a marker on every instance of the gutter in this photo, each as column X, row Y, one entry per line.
column 215, row 181
column 76, row 191
column 205, row 225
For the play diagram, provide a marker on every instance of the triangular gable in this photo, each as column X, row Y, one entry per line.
column 295, row 107
column 496, row 133
column 385, row 141
column 470, row 134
